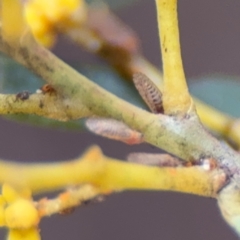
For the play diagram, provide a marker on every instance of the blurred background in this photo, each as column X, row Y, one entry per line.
column 210, row 38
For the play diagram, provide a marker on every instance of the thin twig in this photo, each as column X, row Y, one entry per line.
column 70, row 199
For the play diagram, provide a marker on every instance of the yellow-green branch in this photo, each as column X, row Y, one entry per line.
column 47, row 105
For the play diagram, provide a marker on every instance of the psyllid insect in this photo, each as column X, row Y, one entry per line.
column 149, row 92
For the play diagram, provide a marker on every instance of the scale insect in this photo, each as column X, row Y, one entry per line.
column 149, row 92
column 114, row 129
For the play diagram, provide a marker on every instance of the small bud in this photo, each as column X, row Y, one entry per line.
column 21, row 214
column 23, row 234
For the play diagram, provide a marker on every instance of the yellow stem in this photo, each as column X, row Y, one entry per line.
column 213, row 119
column 176, row 98
column 219, row 122
column 107, row 175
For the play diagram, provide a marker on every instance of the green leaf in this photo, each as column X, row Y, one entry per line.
column 15, row 78
column 220, row 91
